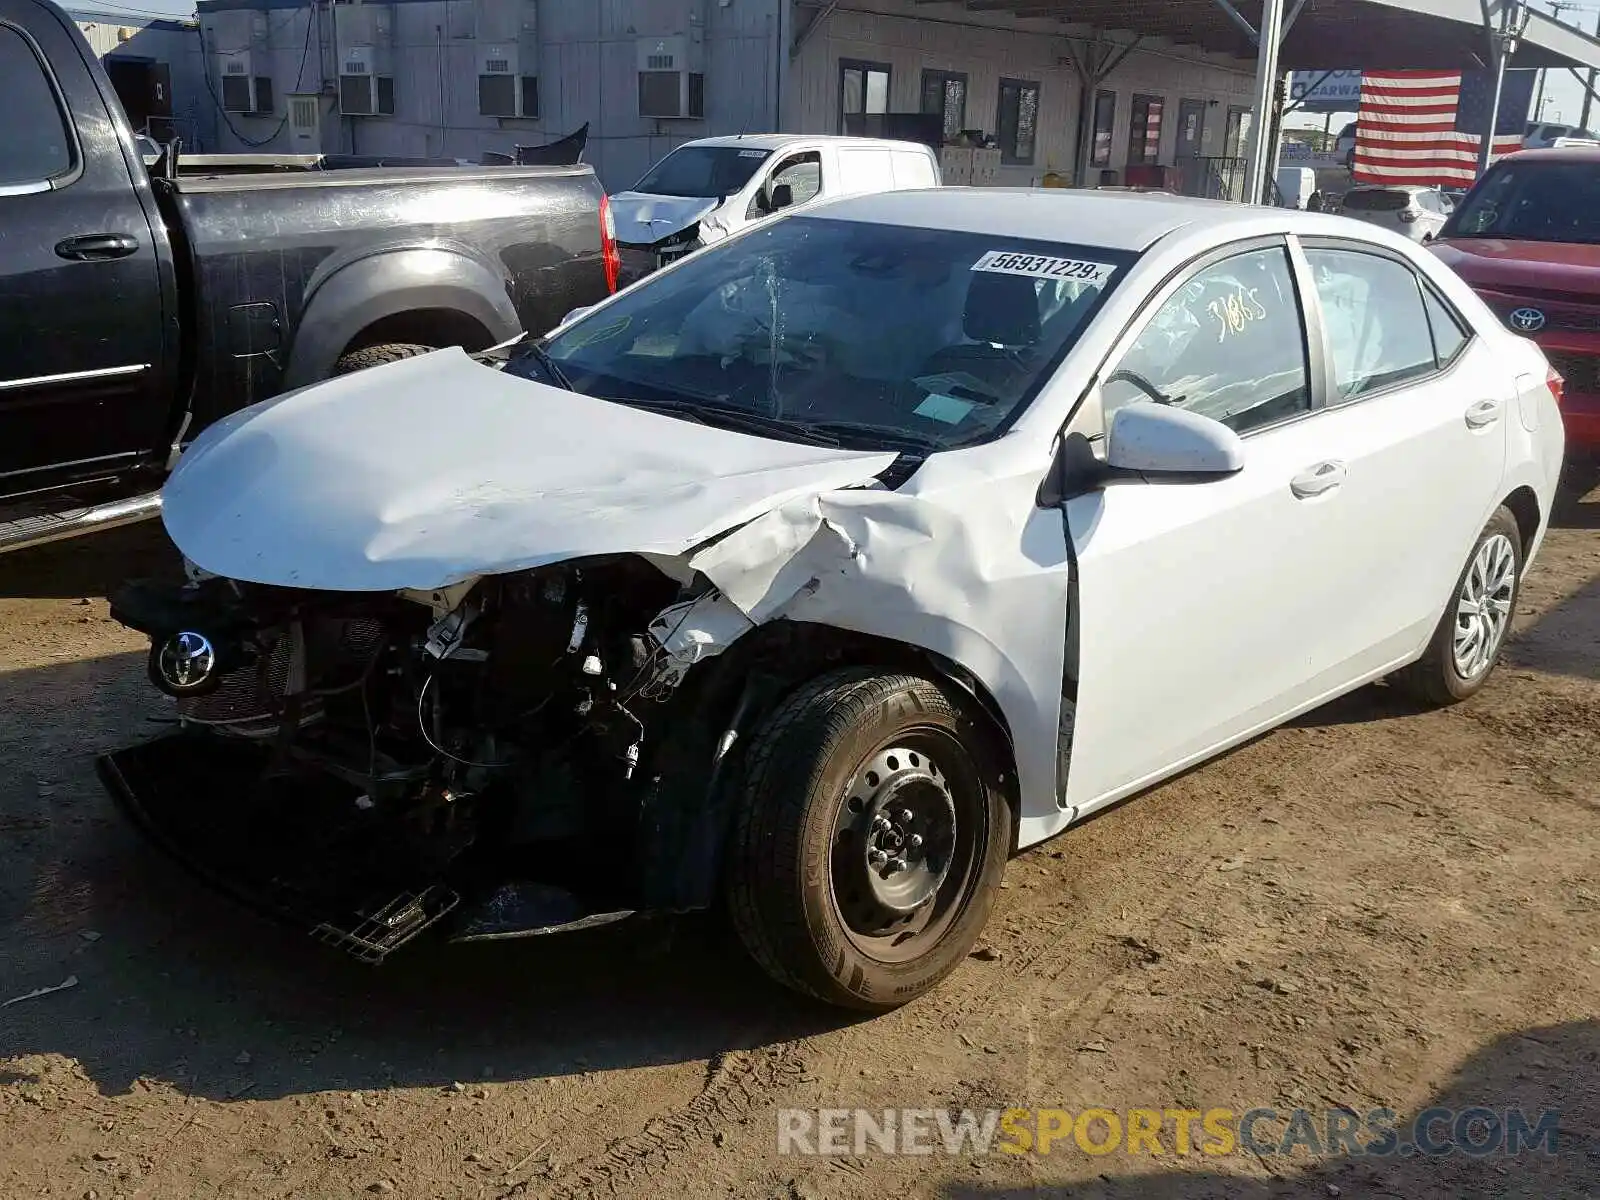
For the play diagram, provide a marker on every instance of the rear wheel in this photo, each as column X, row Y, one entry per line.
column 870, row 839
column 1467, row 643
column 377, row 356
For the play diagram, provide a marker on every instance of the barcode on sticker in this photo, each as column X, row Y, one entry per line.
column 1043, row 266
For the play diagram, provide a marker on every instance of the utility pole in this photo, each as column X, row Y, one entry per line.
column 1258, row 169
column 1588, row 93
column 1502, row 45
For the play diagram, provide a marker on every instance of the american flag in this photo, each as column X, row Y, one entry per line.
column 1425, row 127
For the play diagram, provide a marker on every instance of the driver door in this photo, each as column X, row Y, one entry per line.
column 1201, row 604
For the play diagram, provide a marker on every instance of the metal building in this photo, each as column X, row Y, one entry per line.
column 458, row 78
column 156, row 68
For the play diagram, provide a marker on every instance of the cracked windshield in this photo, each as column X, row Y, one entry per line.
column 842, row 333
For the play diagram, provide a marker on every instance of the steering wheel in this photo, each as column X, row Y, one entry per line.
column 1144, row 385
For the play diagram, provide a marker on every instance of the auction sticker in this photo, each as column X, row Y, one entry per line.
column 1043, row 266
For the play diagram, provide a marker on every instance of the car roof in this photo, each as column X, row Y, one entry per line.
column 777, row 141
column 1555, row 154
column 1112, row 220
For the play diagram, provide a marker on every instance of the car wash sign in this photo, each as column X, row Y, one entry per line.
column 1325, row 91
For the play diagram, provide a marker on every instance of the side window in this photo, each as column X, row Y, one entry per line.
column 1377, row 329
column 1449, row 336
column 34, row 142
column 1229, row 344
column 803, row 174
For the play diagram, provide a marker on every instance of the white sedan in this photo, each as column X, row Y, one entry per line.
column 834, row 564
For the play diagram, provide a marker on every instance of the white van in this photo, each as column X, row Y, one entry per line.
column 705, row 190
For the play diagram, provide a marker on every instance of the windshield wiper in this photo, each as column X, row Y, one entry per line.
column 548, row 365
column 891, row 437
column 671, row 408
column 729, row 417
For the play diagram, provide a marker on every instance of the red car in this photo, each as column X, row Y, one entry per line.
column 1527, row 239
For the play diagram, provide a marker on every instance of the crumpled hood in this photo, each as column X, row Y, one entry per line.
column 437, row 469
column 643, row 219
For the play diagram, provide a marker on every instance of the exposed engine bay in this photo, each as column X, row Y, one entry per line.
column 366, row 763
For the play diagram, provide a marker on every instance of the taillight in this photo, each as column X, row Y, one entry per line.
column 1555, row 383
column 608, row 244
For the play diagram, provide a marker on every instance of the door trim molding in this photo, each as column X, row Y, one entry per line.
column 73, row 377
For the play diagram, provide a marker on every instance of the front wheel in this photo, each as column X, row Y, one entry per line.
column 1467, row 643
column 378, row 356
column 870, row 839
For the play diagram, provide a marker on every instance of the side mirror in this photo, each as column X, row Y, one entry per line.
column 1156, row 439
column 782, row 196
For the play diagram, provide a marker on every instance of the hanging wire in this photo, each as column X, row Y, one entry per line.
column 227, row 118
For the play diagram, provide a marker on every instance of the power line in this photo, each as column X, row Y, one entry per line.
column 227, row 118
column 105, row 8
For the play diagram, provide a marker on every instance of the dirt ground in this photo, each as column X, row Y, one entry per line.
column 1374, row 907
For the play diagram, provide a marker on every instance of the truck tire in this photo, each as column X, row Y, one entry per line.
column 1468, row 640
column 376, row 356
column 869, row 841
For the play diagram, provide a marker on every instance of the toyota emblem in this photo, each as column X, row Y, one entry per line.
column 1527, row 320
column 186, row 662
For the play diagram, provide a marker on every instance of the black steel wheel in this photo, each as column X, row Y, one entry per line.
column 870, row 839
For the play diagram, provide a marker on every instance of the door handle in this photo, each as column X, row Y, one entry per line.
column 1483, row 414
column 1317, row 480
column 95, row 247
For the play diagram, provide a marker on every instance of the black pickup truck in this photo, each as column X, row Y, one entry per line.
column 138, row 306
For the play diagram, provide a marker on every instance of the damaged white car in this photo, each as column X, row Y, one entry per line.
column 826, row 569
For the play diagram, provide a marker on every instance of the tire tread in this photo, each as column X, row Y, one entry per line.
column 781, row 769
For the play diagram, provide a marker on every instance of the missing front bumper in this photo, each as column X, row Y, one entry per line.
column 265, row 840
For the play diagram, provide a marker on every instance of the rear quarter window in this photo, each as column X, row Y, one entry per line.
column 1375, row 201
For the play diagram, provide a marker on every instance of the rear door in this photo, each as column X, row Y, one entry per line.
column 1417, row 425
column 80, row 288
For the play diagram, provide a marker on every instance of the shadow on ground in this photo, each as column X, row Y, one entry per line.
column 1552, row 1068
column 89, row 566
column 178, row 985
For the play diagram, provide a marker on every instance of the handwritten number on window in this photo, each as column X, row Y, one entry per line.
column 1235, row 313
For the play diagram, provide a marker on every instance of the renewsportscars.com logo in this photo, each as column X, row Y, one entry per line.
column 1215, row 1132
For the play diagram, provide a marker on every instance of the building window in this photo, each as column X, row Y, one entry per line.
column 863, row 95
column 385, row 95
column 1019, row 121
column 1144, row 130
column 697, row 95
column 945, row 93
column 497, row 95
column 1238, row 133
column 1105, row 116
column 530, row 96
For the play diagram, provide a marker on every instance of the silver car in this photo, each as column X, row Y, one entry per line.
column 1411, row 211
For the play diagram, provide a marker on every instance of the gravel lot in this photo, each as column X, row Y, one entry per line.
column 1374, row 907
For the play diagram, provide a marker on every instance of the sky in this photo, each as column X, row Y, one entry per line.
column 1563, row 96
column 159, row 8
